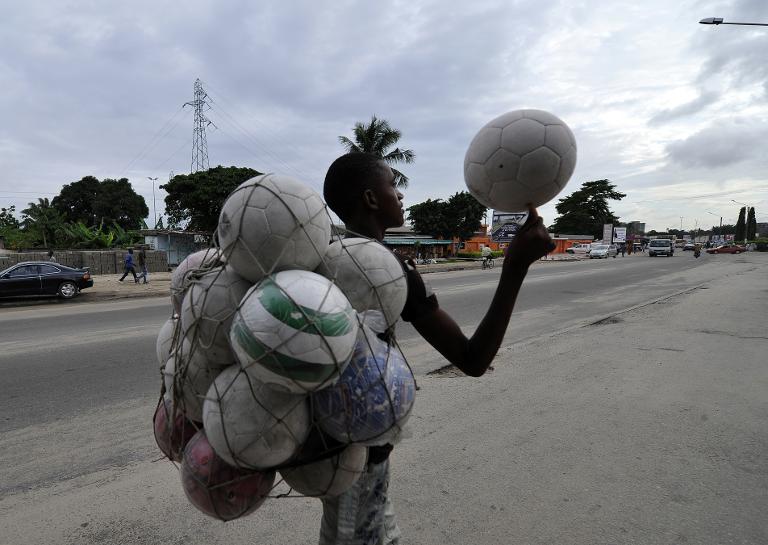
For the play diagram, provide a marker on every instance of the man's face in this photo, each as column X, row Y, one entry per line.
column 389, row 198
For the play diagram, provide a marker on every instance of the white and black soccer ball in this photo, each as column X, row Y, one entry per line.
column 193, row 263
column 369, row 275
column 187, row 376
column 251, row 425
column 208, row 309
column 272, row 223
column 165, row 340
column 520, row 157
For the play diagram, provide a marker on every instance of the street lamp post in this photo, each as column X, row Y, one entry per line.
column 154, row 204
column 746, row 217
column 719, row 21
column 720, row 231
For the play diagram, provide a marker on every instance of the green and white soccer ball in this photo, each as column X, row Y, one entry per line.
column 251, row 425
column 520, row 157
column 187, row 376
column 294, row 330
column 328, row 477
column 208, row 309
column 272, row 223
column 369, row 275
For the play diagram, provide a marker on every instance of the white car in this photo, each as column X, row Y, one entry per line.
column 578, row 249
column 600, row 251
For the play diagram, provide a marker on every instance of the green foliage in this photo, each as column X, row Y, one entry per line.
column 458, row 217
column 584, row 211
column 195, row 200
column 8, row 219
column 91, row 202
column 377, row 137
column 79, row 235
column 41, row 221
column 741, row 226
column 751, row 224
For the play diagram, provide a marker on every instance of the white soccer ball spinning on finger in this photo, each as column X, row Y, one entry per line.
column 272, row 223
column 251, row 425
column 369, row 274
column 187, row 376
column 294, row 330
column 523, row 156
column 330, row 476
column 208, row 309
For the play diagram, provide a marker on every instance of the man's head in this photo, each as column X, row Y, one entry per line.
column 360, row 187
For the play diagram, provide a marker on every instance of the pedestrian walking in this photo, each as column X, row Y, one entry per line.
column 129, row 268
column 361, row 189
column 622, row 249
column 143, row 266
column 51, row 257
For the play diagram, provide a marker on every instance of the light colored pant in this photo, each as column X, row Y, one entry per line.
column 363, row 515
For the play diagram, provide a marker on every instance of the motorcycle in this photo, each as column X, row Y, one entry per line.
column 696, row 253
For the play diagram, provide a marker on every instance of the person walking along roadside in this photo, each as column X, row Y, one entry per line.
column 129, row 268
column 143, row 266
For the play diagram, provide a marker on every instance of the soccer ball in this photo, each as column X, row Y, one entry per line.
column 369, row 275
column 272, row 223
column 202, row 260
column 172, row 430
column 329, row 477
column 218, row 489
column 295, row 331
column 373, row 398
column 187, row 377
column 165, row 338
column 207, row 311
column 251, row 425
column 524, row 156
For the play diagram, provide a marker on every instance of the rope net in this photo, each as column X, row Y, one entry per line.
column 280, row 366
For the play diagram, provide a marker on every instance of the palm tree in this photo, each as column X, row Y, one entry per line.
column 376, row 138
column 43, row 218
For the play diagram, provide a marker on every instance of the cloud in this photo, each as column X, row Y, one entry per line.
column 720, row 145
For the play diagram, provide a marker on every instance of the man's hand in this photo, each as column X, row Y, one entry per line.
column 531, row 242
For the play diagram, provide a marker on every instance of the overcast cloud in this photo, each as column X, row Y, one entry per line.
column 675, row 113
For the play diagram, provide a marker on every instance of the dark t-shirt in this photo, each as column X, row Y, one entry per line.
column 420, row 301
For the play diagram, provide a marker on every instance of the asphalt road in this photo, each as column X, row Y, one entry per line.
column 628, row 431
column 58, row 360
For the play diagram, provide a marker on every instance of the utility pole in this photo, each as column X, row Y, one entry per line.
column 199, row 141
column 154, row 202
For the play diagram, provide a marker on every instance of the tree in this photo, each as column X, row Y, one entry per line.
column 377, row 137
column 751, row 224
column 741, row 227
column 42, row 221
column 195, row 200
column 92, row 202
column 458, row 217
column 8, row 219
column 586, row 210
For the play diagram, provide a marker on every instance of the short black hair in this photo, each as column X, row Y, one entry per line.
column 347, row 178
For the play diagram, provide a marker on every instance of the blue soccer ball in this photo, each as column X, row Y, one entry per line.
column 372, row 399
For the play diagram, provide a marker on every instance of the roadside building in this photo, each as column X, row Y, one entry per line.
column 177, row 244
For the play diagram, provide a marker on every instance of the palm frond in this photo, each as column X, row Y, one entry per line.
column 401, row 180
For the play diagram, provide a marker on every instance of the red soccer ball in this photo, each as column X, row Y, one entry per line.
column 218, row 489
column 172, row 438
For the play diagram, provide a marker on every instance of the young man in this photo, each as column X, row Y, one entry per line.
column 360, row 188
column 128, row 267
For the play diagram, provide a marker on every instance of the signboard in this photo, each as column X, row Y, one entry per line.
column 501, row 218
column 620, row 234
column 607, row 232
column 505, row 233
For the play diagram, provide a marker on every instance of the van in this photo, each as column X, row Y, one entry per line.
column 661, row 246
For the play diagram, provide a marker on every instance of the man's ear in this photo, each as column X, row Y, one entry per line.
column 370, row 200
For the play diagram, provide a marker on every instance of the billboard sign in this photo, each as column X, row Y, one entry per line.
column 505, row 233
column 620, row 234
column 607, row 232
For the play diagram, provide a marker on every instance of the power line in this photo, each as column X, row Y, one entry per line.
column 156, row 139
column 199, row 140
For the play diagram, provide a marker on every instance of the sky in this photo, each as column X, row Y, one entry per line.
column 672, row 112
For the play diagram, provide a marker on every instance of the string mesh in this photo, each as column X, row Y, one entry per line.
column 266, row 366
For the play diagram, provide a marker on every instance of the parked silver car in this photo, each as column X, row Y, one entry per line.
column 600, row 251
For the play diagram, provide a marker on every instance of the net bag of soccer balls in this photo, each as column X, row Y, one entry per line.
column 276, row 377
